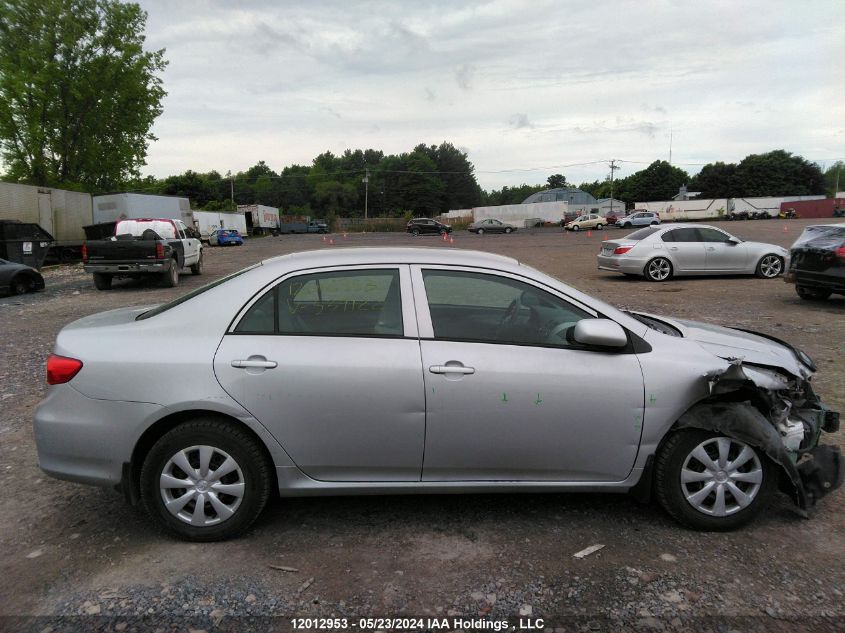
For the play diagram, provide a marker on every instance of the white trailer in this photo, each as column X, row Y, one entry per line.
column 206, row 221
column 685, row 210
column 60, row 212
column 516, row 214
column 133, row 206
column 260, row 218
column 769, row 205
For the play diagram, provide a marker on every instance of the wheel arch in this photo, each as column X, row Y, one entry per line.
column 131, row 479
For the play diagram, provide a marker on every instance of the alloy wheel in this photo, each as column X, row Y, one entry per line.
column 771, row 266
column 659, row 269
column 721, row 476
column 202, row 485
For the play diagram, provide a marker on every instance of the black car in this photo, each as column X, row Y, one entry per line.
column 16, row 279
column 817, row 262
column 423, row 226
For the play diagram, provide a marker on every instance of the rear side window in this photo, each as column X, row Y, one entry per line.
column 712, row 235
column 682, row 235
column 343, row 303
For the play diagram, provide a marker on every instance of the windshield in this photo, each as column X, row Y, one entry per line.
column 821, row 236
column 643, row 233
column 164, row 307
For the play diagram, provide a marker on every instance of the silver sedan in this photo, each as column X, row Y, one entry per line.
column 422, row 371
column 661, row 252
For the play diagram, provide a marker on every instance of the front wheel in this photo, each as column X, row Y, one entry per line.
column 658, row 269
column 812, row 294
column 576, row 228
column 769, row 267
column 196, row 269
column 206, row 480
column 508, row 230
column 20, row 285
column 102, row 281
column 708, row 481
column 599, row 227
column 415, row 232
column 627, row 225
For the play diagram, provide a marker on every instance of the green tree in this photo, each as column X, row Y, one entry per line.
column 556, row 181
column 335, row 198
column 658, row 181
column 834, row 178
column 715, row 180
column 777, row 173
column 78, row 92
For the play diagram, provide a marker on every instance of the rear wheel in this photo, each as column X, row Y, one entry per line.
column 707, row 481
column 812, row 294
column 655, row 223
column 415, row 232
column 170, row 277
column 102, row 281
column 480, row 231
column 599, row 226
column 658, row 269
column 206, row 480
column 196, row 269
column 769, row 266
column 508, row 229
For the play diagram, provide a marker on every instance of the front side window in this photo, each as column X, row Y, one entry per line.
column 712, row 235
column 485, row 308
column 342, row 303
column 682, row 235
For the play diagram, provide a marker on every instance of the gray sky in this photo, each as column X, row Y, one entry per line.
column 525, row 88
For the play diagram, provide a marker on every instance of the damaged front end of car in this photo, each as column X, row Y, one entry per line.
column 779, row 413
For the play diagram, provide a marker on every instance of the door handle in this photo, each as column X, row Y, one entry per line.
column 673, row 248
column 711, row 248
column 255, row 364
column 451, row 369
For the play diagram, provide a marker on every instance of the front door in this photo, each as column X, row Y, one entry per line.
column 329, row 363
column 508, row 397
column 722, row 254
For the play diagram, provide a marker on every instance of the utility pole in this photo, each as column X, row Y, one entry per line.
column 670, row 146
column 613, row 168
column 366, row 181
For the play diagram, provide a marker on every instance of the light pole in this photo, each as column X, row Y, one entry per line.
column 613, row 168
column 366, row 181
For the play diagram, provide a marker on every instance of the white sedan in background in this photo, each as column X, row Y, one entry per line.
column 661, row 252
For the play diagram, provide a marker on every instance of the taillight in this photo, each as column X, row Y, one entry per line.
column 159, row 250
column 84, row 254
column 621, row 250
column 840, row 252
column 61, row 369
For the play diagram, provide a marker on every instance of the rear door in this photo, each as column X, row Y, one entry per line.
column 328, row 360
column 685, row 248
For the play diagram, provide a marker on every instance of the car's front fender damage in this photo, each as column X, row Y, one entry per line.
column 780, row 415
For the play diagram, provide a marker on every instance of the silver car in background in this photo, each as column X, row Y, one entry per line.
column 660, row 252
column 403, row 370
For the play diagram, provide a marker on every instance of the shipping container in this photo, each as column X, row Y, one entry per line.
column 60, row 212
column 825, row 208
column 207, row 221
column 260, row 218
column 134, row 206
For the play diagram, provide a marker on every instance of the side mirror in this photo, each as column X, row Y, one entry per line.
column 734, row 241
column 599, row 333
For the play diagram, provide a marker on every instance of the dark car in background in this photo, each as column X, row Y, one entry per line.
column 817, row 262
column 490, row 225
column 17, row 279
column 427, row 226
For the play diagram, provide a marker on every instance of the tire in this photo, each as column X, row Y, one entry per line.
column 599, row 227
column 170, row 277
column 812, row 294
column 251, row 478
column 442, row 232
column 655, row 223
column 769, row 266
column 508, row 230
column 480, row 231
column 415, row 232
column 627, row 225
column 102, row 281
column 576, row 228
column 196, row 269
column 20, row 285
column 658, row 269
column 754, row 480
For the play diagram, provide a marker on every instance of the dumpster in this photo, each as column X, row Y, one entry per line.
column 24, row 243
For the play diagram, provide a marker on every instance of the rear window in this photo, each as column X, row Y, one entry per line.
column 643, row 233
column 162, row 228
column 831, row 236
column 164, row 307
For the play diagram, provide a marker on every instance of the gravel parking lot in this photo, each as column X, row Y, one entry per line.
column 70, row 550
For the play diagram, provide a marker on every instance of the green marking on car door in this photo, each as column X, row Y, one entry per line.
column 652, row 399
column 538, row 400
column 505, row 398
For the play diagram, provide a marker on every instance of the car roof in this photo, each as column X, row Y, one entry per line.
column 351, row 256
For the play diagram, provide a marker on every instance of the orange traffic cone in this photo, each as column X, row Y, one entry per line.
column 589, row 234
column 331, row 241
column 785, row 228
column 344, row 236
column 451, row 240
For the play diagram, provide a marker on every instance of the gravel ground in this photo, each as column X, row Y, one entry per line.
column 75, row 557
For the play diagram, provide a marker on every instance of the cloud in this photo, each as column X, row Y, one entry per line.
column 464, row 75
column 519, row 120
column 429, row 94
